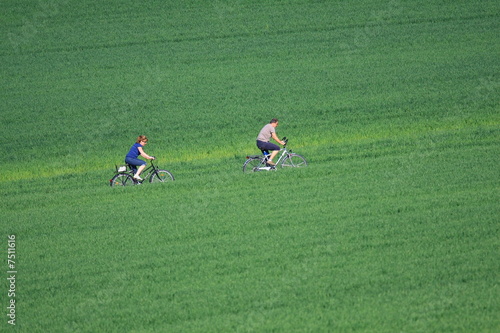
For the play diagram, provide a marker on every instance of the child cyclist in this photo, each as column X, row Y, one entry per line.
column 133, row 154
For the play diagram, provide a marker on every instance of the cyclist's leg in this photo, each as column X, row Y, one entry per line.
column 275, row 149
column 141, row 168
column 274, row 153
column 132, row 168
column 136, row 162
column 265, row 152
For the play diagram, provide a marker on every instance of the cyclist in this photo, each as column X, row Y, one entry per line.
column 265, row 134
column 133, row 154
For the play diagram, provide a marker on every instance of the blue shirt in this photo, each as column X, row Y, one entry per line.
column 134, row 151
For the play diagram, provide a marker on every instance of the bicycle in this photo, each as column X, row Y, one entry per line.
column 124, row 175
column 287, row 158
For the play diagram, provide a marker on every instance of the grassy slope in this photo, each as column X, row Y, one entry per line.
column 393, row 226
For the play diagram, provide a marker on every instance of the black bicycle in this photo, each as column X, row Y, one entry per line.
column 124, row 175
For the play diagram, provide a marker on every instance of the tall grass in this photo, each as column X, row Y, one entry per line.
column 392, row 227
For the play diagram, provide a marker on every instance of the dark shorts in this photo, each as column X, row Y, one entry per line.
column 267, row 145
column 134, row 161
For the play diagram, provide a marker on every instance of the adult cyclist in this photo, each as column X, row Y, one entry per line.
column 264, row 137
column 135, row 151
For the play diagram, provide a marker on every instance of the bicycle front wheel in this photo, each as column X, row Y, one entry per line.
column 122, row 179
column 252, row 164
column 294, row 161
column 161, row 176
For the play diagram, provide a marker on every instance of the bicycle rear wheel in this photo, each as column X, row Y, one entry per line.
column 294, row 161
column 122, row 179
column 161, row 176
column 252, row 164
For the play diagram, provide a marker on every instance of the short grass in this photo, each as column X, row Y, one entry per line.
column 392, row 227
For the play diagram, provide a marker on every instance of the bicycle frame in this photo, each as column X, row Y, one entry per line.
column 286, row 159
column 132, row 169
column 263, row 166
column 149, row 170
column 280, row 160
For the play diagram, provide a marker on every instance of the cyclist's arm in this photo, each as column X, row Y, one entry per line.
column 275, row 137
column 143, row 154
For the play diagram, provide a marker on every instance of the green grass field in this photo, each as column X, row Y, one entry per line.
column 393, row 226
